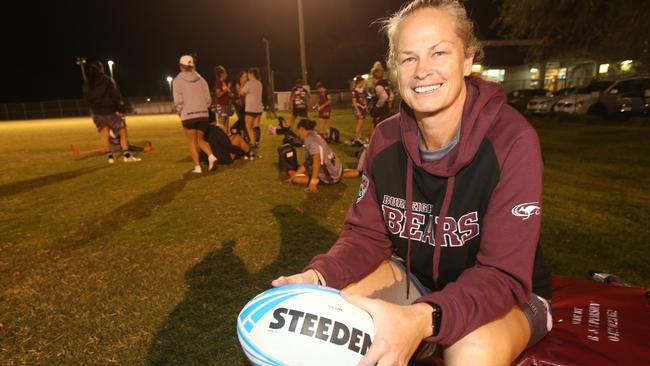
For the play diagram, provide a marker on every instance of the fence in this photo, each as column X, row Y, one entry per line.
column 135, row 105
column 79, row 108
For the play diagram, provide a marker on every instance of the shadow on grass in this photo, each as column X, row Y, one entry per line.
column 132, row 211
column 201, row 330
column 319, row 204
column 34, row 183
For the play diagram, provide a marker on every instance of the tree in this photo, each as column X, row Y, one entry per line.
column 600, row 29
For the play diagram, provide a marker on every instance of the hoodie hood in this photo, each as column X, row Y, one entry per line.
column 98, row 89
column 483, row 102
column 190, row 76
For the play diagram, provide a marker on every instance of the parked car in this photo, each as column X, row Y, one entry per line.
column 583, row 100
column 519, row 98
column 625, row 97
column 544, row 105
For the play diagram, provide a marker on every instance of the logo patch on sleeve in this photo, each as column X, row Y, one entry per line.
column 363, row 187
column 526, row 210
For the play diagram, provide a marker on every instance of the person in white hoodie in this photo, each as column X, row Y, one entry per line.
column 192, row 100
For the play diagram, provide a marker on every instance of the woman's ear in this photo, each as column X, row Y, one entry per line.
column 467, row 64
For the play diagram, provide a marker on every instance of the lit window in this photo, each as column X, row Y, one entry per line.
column 603, row 68
column 626, row 65
column 496, row 75
column 476, row 68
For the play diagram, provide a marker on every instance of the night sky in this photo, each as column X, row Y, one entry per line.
column 145, row 39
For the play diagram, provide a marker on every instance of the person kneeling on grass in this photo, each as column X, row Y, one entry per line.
column 325, row 166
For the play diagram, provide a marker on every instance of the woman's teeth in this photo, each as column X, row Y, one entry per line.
column 427, row 89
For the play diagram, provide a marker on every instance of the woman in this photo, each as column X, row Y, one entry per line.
column 381, row 96
column 326, row 168
column 360, row 106
column 448, row 185
column 222, row 92
column 107, row 107
column 324, row 109
column 239, row 127
column 253, row 106
column 298, row 102
column 192, row 100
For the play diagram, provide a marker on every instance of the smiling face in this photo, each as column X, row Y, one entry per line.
column 431, row 63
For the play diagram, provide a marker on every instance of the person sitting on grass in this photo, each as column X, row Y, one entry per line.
column 325, row 166
column 108, row 108
column 115, row 145
column 227, row 148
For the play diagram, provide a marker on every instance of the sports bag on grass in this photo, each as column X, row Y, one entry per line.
column 287, row 159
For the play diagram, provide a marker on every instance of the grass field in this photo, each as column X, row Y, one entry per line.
column 145, row 264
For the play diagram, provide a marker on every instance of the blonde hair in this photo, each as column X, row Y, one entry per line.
column 464, row 26
column 377, row 70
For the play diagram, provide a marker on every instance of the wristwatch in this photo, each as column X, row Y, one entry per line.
column 436, row 319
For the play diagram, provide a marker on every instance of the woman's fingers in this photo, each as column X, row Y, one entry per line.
column 308, row 277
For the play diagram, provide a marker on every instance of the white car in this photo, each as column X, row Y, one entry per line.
column 544, row 105
column 582, row 101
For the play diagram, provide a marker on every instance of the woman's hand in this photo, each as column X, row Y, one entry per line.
column 310, row 276
column 398, row 330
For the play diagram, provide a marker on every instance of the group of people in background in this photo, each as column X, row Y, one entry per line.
column 219, row 142
column 208, row 131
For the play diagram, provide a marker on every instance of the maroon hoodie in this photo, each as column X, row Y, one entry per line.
column 467, row 225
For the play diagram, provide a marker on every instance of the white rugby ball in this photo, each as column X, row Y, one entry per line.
column 297, row 325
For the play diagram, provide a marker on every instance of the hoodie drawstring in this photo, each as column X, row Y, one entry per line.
column 438, row 236
column 409, row 206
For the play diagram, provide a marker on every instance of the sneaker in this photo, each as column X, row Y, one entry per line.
column 251, row 155
column 111, row 160
column 131, row 159
column 197, row 170
column 212, row 162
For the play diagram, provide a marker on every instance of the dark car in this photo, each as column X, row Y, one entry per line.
column 520, row 98
column 625, row 97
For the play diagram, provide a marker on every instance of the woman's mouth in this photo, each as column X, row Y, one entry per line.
column 427, row 89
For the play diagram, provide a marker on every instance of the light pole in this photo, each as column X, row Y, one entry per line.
column 303, row 57
column 169, row 82
column 110, row 68
column 270, row 78
column 81, row 61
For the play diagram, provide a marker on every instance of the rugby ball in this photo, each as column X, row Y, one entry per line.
column 297, row 325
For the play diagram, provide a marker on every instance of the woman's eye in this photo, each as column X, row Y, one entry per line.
column 439, row 53
column 407, row 60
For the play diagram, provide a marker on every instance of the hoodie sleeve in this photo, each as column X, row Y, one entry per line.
column 206, row 93
column 502, row 275
column 116, row 96
column 363, row 243
column 178, row 96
